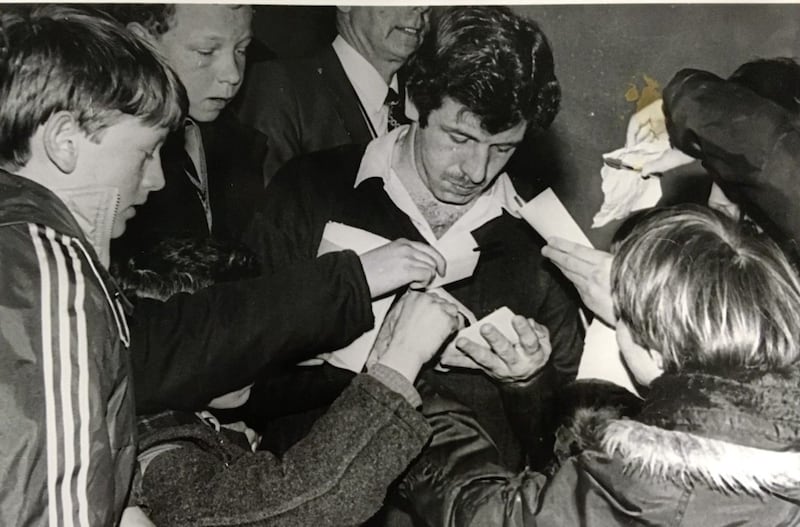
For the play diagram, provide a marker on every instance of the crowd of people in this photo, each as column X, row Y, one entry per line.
column 173, row 302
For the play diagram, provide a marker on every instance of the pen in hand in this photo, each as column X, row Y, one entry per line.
column 619, row 164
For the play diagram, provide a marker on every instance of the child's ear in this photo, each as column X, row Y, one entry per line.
column 658, row 359
column 61, row 136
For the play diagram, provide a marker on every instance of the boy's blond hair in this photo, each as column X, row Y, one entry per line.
column 707, row 292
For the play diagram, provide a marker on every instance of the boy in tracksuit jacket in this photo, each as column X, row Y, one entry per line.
column 84, row 109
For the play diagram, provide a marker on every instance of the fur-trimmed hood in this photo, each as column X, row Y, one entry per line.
column 691, row 459
column 733, row 436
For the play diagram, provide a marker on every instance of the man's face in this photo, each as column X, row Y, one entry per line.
column 456, row 158
column 206, row 46
column 388, row 33
column 127, row 159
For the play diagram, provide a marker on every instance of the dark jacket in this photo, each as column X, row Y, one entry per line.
column 337, row 475
column 195, row 347
column 316, row 188
column 749, row 144
column 233, row 156
column 703, row 450
column 68, row 441
column 302, row 106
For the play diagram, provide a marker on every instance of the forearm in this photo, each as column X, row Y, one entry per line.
column 337, row 475
column 195, row 347
column 712, row 119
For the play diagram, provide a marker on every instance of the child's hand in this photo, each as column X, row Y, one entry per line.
column 413, row 331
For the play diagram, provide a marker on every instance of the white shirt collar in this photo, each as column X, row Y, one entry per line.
column 377, row 163
column 367, row 82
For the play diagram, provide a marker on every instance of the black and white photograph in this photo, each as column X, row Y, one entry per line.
column 396, row 265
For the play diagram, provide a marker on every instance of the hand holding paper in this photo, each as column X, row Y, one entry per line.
column 399, row 263
column 461, row 256
column 590, row 272
column 517, row 347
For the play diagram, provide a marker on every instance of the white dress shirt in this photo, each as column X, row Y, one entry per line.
column 368, row 84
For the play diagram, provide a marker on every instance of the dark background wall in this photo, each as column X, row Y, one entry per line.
column 609, row 58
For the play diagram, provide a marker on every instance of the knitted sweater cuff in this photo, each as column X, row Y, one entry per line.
column 396, row 382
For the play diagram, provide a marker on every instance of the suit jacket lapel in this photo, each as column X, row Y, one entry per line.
column 343, row 96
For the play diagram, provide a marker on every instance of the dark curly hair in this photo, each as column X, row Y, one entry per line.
column 183, row 265
column 495, row 63
column 155, row 18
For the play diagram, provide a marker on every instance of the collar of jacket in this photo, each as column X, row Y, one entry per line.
column 740, row 436
column 86, row 214
column 25, row 201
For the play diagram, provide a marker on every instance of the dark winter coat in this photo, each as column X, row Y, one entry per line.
column 336, row 476
column 703, row 450
column 749, row 144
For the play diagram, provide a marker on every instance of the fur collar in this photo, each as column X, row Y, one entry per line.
column 738, row 436
column 689, row 459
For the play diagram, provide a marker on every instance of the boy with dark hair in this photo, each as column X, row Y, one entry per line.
column 84, row 109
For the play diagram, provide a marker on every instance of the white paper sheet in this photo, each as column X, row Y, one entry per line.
column 337, row 237
column 499, row 318
column 548, row 216
column 461, row 257
column 461, row 262
column 624, row 191
column 601, row 358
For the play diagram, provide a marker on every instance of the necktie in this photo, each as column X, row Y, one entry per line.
column 397, row 116
column 193, row 144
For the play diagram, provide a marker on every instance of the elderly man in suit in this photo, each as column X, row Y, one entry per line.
column 348, row 93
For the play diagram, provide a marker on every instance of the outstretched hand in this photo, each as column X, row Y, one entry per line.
column 400, row 263
column 502, row 359
column 413, row 331
column 589, row 270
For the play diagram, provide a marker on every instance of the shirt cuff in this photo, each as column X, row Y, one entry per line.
column 396, row 382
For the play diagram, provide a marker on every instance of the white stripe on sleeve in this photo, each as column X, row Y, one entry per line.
column 83, row 385
column 47, row 368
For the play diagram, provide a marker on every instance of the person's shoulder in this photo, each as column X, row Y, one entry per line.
column 327, row 175
column 229, row 132
column 339, row 164
column 290, row 71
